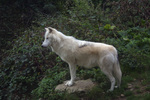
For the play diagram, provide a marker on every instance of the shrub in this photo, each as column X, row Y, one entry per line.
column 47, row 85
column 23, row 67
column 132, row 12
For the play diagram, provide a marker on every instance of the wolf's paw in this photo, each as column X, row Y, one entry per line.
column 69, row 83
column 116, row 86
column 110, row 90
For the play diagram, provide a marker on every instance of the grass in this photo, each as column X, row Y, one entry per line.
column 71, row 97
column 147, row 88
column 136, row 87
column 140, row 97
column 138, row 91
column 128, row 93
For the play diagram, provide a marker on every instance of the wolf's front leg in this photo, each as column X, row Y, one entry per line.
column 72, row 68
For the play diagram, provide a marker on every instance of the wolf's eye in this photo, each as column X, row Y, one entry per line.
column 47, row 38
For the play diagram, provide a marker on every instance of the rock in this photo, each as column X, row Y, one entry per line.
column 131, row 89
column 78, row 86
column 130, row 86
column 122, row 95
column 134, row 79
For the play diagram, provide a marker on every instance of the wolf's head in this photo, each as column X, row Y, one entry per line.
column 48, row 37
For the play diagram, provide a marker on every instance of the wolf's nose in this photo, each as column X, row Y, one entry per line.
column 42, row 46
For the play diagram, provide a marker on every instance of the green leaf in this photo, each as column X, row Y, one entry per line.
column 126, row 39
column 112, row 27
column 107, row 26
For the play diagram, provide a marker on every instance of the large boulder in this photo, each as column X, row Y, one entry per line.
column 78, row 86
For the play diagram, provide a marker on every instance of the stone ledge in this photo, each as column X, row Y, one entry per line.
column 79, row 86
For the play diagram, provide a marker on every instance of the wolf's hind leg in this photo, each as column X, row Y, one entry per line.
column 111, row 78
column 107, row 66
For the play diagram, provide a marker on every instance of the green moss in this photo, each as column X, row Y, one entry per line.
column 128, row 93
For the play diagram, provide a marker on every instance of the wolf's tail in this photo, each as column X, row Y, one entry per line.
column 117, row 72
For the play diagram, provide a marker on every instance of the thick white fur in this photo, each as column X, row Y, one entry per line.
column 84, row 53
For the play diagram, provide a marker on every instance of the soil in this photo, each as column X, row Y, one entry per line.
column 137, row 89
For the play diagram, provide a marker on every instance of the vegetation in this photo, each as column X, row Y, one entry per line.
column 29, row 72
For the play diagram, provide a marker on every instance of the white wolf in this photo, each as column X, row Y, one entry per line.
column 84, row 53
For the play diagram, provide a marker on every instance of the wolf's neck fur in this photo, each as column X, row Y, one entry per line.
column 58, row 42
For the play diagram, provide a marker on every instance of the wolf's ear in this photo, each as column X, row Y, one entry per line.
column 46, row 29
column 49, row 29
